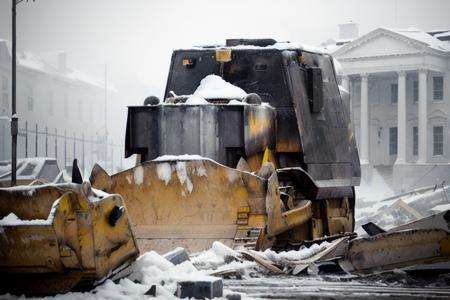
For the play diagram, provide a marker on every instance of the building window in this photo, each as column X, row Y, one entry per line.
column 438, row 140
column 438, row 88
column 393, row 141
column 394, row 93
column 415, row 91
column 4, row 83
column 415, row 140
column 30, row 103
column 66, row 106
column 51, row 108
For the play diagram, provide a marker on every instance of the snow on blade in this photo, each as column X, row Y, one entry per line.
column 138, row 175
column 183, row 176
column 180, row 157
column 164, row 172
column 214, row 87
column 13, row 220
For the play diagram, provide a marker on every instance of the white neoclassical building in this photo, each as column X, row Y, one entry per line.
column 399, row 85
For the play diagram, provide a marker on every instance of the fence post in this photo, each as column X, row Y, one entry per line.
column 74, row 146
column 65, row 148
column 26, row 139
column 56, row 144
column 46, row 141
column 36, row 142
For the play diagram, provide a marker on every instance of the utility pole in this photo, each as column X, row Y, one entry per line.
column 106, row 111
column 14, row 118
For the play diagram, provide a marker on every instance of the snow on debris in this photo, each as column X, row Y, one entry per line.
column 152, row 268
column 214, row 87
column 295, row 255
column 183, row 176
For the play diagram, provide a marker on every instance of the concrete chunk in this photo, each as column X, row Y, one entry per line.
column 177, row 256
column 200, row 289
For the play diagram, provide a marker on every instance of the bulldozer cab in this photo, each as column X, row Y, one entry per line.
column 312, row 123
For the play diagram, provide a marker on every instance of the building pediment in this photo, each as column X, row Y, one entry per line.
column 380, row 42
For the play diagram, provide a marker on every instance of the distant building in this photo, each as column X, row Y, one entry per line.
column 57, row 100
column 399, row 84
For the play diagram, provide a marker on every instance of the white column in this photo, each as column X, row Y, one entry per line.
column 364, row 155
column 345, row 83
column 422, row 118
column 401, row 119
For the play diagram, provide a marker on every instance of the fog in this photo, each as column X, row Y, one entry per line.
column 135, row 38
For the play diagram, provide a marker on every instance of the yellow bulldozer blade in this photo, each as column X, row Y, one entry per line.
column 191, row 203
column 55, row 238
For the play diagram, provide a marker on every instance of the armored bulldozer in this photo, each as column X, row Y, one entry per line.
column 252, row 145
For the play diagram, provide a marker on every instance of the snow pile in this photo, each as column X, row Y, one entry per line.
column 214, row 87
column 214, row 257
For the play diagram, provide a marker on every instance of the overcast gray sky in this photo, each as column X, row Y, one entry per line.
column 135, row 38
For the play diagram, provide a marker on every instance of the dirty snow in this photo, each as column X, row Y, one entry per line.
column 214, row 87
column 164, row 172
column 138, row 175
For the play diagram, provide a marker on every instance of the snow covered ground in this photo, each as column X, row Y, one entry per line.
column 253, row 281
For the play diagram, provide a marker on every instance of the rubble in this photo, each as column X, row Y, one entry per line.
column 201, row 289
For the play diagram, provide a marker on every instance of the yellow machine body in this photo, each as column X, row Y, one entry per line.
column 62, row 237
column 191, row 203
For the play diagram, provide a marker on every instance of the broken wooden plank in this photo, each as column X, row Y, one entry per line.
column 266, row 264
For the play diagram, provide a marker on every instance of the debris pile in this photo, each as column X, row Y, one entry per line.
column 407, row 207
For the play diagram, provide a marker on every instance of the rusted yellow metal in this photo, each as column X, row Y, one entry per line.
column 279, row 221
column 74, row 244
column 398, row 249
column 195, row 202
column 339, row 216
column 223, row 55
